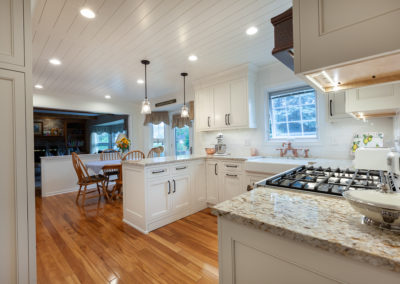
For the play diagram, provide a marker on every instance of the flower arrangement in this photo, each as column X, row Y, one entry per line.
column 123, row 144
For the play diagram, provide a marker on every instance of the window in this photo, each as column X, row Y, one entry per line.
column 182, row 141
column 293, row 114
column 158, row 135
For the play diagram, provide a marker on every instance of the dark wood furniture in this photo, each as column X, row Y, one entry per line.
column 283, row 38
column 84, row 179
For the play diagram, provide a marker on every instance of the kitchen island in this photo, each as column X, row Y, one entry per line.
column 283, row 236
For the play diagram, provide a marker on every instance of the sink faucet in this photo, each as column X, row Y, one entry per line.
column 295, row 152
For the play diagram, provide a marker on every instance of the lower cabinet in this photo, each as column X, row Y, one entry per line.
column 159, row 193
column 180, row 193
column 199, row 186
column 212, row 182
column 232, row 185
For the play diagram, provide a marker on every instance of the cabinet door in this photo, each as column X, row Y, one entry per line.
column 329, row 32
column 199, row 185
column 212, row 182
column 13, row 176
column 158, row 201
column 337, row 105
column 376, row 99
column 12, row 32
column 238, row 115
column 180, row 193
column 232, row 185
column 204, row 109
column 221, row 105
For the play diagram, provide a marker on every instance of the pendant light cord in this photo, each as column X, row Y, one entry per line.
column 145, row 81
column 184, row 90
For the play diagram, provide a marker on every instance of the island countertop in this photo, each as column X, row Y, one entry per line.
column 324, row 222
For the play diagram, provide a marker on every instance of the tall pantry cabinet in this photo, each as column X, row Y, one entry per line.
column 17, row 234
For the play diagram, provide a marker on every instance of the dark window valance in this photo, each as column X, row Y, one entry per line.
column 178, row 121
column 157, row 117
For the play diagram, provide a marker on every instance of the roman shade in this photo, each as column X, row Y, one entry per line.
column 178, row 121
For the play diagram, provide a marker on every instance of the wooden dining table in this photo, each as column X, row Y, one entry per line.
column 109, row 166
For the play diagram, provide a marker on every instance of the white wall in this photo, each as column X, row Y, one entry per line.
column 80, row 103
column 335, row 138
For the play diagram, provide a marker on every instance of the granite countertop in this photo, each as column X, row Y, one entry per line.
column 172, row 159
column 325, row 222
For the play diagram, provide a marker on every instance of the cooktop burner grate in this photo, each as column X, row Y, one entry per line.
column 326, row 180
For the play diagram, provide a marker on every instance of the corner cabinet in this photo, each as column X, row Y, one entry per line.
column 227, row 104
column 337, row 106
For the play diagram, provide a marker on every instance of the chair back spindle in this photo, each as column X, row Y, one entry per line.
column 134, row 155
column 110, row 154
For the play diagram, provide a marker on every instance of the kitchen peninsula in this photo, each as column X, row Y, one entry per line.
column 293, row 237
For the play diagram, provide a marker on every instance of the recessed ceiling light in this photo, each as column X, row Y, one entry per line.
column 55, row 61
column 87, row 13
column 38, row 86
column 252, row 31
column 107, row 97
column 193, row 57
column 140, row 81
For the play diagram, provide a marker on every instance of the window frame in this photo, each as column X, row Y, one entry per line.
column 174, row 139
column 164, row 140
column 268, row 112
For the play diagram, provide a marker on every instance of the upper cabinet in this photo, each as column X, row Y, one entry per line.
column 342, row 44
column 227, row 102
column 382, row 100
column 337, row 106
column 12, row 32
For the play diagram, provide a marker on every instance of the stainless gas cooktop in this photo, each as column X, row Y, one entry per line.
column 326, row 180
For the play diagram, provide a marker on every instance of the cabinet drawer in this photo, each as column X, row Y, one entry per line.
column 157, row 172
column 231, row 167
column 179, row 169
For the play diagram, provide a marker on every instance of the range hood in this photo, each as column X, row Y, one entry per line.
column 378, row 69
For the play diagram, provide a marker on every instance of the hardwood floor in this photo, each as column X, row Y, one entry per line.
column 93, row 245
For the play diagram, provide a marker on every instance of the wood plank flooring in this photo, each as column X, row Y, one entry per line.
column 91, row 244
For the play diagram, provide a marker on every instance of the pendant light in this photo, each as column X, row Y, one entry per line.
column 185, row 110
column 146, row 107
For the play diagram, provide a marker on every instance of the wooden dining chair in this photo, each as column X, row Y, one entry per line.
column 117, row 188
column 134, row 155
column 84, row 179
column 155, row 152
column 110, row 154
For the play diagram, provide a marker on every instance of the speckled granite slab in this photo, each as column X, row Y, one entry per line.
column 325, row 222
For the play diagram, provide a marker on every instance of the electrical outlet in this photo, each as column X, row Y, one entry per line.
column 247, row 142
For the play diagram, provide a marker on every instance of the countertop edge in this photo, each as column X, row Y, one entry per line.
column 337, row 248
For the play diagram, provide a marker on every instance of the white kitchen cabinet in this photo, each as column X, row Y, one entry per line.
column 12, row 32
column 212, row 181
column 199, row 185
column 232, row 185
column 232, row 103
column 381, row 99
column 159, row 191
column 180, row 194
column 252, row 178
column 222, row 105
column 204, row 108
column 17, row 204
column 331, row 32
column 336, row 106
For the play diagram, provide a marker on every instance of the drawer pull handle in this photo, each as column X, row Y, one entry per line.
column 231, row 166
column 158, row 172
column 231, row 175
column 181, row 168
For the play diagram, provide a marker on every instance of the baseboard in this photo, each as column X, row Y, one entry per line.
column 134, row 226
column 66, row 190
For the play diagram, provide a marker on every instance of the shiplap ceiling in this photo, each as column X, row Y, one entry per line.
column 102, row 56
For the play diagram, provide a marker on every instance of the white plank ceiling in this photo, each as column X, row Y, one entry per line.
column 102, row 56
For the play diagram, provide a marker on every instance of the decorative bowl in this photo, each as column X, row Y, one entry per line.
column 379, row 208
column 210, row 151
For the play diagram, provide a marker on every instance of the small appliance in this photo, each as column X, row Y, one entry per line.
column 220, row 147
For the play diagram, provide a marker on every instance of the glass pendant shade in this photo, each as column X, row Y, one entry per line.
column 184, row 111
column 146, row 108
